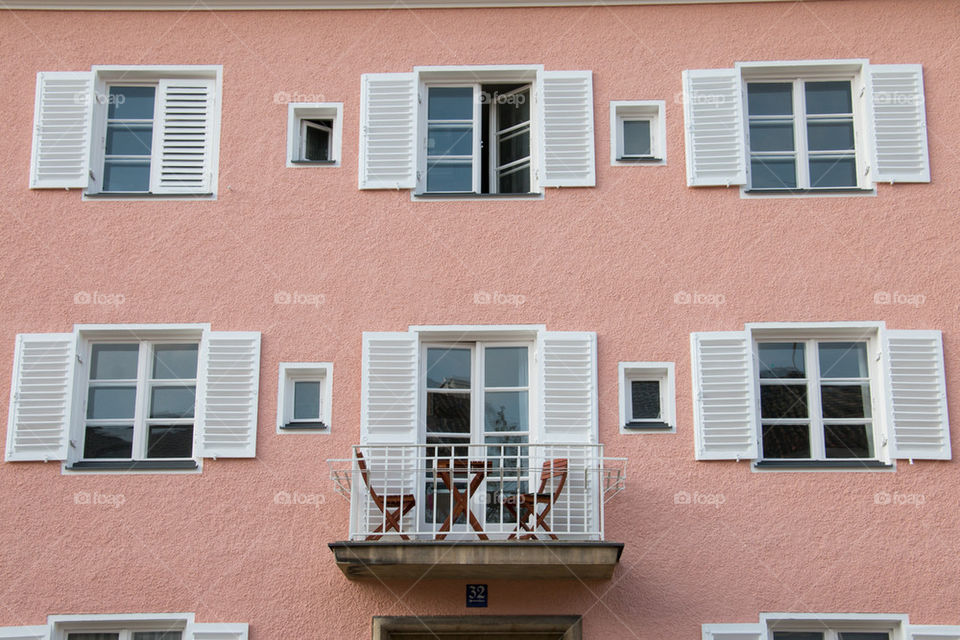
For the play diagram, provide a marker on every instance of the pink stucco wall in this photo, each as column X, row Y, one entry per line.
column 607, row 259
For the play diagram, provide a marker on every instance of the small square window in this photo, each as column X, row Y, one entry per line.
column 647, row 397
column 303, row 403
column 313, row 133
column 637, row 132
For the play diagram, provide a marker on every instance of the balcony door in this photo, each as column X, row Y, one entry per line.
column 476, row 407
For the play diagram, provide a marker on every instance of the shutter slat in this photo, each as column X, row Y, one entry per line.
column 61, row 130
column 227, row 394
column 897, row 111
column 567, row 146
column 713, row 132
column 568, row 382
column 183, row 137
column 41, row 397
column 389, row 388
column 388, row 125
column 724, row 419
column 917, row 395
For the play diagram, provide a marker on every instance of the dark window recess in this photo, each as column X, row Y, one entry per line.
column 316, row 140
column 645, row 399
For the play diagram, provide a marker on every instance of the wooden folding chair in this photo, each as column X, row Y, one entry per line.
column 524, row 505
column 393, row 507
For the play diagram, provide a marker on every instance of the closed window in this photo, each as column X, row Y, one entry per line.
column 637, row 132
column 646, row 396
column 126, row 635
column 305, row 395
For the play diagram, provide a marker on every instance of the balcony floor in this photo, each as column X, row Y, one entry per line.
column 534, row 559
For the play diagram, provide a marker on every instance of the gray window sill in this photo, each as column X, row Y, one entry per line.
column 475, row 196
column 635, row 425
column 822, row 464
column 132, row 465
column 299, row 426
column 314, row 162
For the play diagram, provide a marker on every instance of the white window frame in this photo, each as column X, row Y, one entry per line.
column 649, row 110
column 290, row 374
column 664, row 374
column 124, row 624
column 119, row 75
column 897, row 625
column 298, row 116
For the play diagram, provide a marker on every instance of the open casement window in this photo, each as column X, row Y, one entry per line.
column 829, row 395
column 128, row 131
column 314, row 133
column 805, row 126
column 470, row 131
column 132, row 397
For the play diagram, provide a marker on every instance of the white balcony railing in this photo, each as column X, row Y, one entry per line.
column 477, row 492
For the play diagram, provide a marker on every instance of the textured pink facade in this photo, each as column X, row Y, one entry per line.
column 607, row 259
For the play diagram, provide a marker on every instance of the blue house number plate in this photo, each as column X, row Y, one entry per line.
column 476, row 595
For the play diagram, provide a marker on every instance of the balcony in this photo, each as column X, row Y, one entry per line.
column 477, row 511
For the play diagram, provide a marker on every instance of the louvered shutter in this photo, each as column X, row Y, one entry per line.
column 227, row 390
column 389, row 388
column 568, row 383
column 732, row 632
column 713, row 128
column 898, row 123
column 183, row 137
column 917, row 396
column 725, row 424
column 41, row 396
column 61, row 130
column 216, row 631
column 25, row 633
column 933, row 632
column 566, row 140
column 388, row 131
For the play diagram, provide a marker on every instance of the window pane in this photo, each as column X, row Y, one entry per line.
column 111, row 403
column 786, row 441
column 636, row 137
column 170, row 441
column 512, row 109
column 770, row 98
column 827, row 173
column 450, row 103
column 797, row 635
column 506, row 411
column 306, row 400
column 448, row 413
column 843, row 359
column 450, row 177
column 514, row 147
column 108, row 442
column 175, row 361
column 157, row 635
column 773, row 173
column 783, row 401
column 114, row 361
column 517, row 181
column 845, row 401
column 129, row 139
column 828, row 97
column 645, row 399
column 126, row 175
column 771, row 136
column 450, row 140
column 781, row 360
column 848, row 441
column 173, row 402
column 830, row 136
column 317, row 143
column 505, row 367
column 448, row 368
column 131, row 103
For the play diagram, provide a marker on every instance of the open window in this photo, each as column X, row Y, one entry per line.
column 314, row 133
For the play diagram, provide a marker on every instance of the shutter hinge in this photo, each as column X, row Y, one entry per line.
column 79, row 358
column 879, row 355
column 863, row 91
column 73, row 444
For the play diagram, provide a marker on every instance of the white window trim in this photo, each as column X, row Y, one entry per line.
column 105, row 75
column 896, row 624
column 291, row 372
column 299, row 111
column 62, row 626
column 662, row 372
column 652, row 110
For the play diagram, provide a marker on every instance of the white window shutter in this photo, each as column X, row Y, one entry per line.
column 917, row 395
column 567, row 363
column 63, row 115
column 898, row 123
column 227, row 389
column 933, row 632
column 724, row 412
column 566, row 140
column 389, row 383
column 713, row 128
column 733, row 632
column 41, row 396
column 388, row 131
column 216, row 631
column 183, row 137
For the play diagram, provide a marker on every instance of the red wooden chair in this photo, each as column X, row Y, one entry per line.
column 522, row 506
column 393, row 507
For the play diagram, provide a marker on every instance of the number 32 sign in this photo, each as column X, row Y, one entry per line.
column 476, row 595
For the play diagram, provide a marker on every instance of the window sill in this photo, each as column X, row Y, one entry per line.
column 438, row 195
column 639, row 159
column 132, row 465
column 821, row 464
column 147, row 196
column 806, row 193
column 319, row 163
column 303, row 426
column 648, row 426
